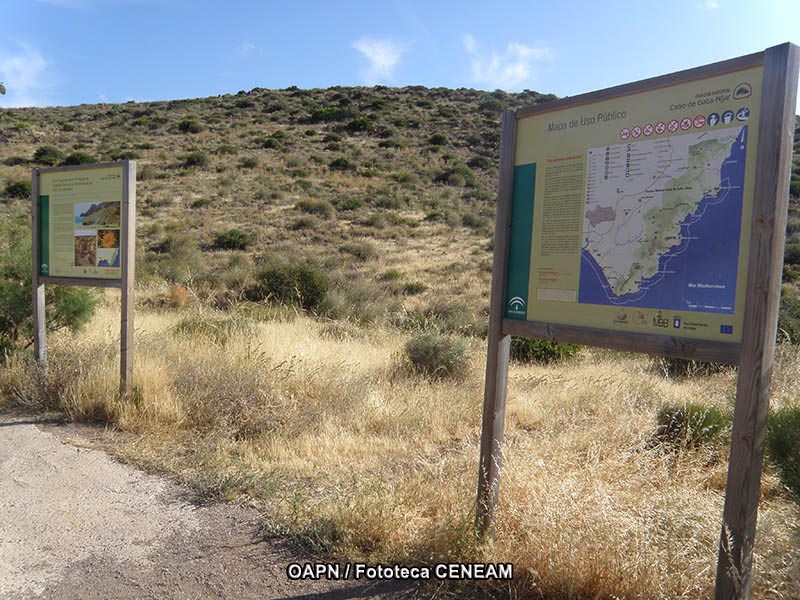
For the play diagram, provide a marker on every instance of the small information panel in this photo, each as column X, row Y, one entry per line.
column 80, row 218
column 633, row 213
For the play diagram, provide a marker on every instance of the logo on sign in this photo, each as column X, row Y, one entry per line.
column 517, row 304
column 743, row 114
column 743, row 90
column 727, row 329
column 712, row 119
column 673, row 126
column 727, row 117
column 45, row 268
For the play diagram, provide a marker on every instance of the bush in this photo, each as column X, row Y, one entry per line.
column 18, row 189
column 316, row 207
column 362, row 251
column 233, row 239
column 690, row 426
column 543, row 352
column 438, row 139
column 47, row 155
column 412, row 288
column 66, row 307
column 783, row 446
column 459, row 175
column 789, row 316
column 360, row 124
column 298, row 284
column 195, row 158
column 79, row 158
column 190, row 125
column 177, row 258
column 437, row 356
column 349, row 203
column 342, row 164
column 248, row 162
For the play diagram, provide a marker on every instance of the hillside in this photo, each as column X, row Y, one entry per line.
column 354, row 425
column 366, row 181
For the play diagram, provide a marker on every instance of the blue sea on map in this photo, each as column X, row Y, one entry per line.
column 114, row 263
column 711, row 257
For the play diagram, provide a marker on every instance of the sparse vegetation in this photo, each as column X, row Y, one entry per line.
column 329, row 362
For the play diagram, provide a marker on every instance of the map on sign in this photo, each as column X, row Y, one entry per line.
column 662, row 219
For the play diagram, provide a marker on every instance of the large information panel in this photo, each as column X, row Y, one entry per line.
column 80, row 217
column 633, row 214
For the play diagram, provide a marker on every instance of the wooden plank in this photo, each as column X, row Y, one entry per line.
column 127, row 258
column 86, row 281
column 776, row 127
column 662, row 81
column 37, row 286
column 727, row 353
column 499, row 345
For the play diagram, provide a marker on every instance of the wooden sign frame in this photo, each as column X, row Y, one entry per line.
column 127, row 267
column 754, row 354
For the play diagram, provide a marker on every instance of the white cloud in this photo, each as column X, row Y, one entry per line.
column 383, row 56
column 247, row 48
column 24, row 75
column 469, row 43
column 508, row 70
column 708, row 5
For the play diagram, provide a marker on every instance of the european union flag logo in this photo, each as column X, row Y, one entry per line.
column 726, row 329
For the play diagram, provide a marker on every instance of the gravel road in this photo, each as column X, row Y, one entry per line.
column 74, row 523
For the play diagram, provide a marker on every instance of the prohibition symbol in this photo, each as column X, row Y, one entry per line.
column 686, row 123
column 647, row 129
column 625, row 133
column 660, row 127
column 636, row 131
column 699, row 121
column 673, row 126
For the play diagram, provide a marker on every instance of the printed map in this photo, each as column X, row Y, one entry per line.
column 665, row 215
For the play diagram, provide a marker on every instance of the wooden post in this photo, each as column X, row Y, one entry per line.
column 127, row 258
column 776, row 126
column 499, row 345
column 39, row 318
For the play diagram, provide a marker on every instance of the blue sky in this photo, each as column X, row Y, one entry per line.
column 65, row 52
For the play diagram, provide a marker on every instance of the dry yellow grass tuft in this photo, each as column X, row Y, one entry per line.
column 354, row 457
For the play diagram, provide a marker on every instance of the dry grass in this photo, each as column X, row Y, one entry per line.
column 351, row 456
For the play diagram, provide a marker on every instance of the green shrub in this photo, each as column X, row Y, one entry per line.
column 458, row 175
column 543, row 352
column 291, row 283
column 190, row 125
column 447, row 317
column 391, row 275
column 248, row 162
column 479, row 162
column 438, row 139
column 15, row 161
column 690, row 426
column 437, row 356
column 312, row 206
column 360, row 124
column 349, row 203
column 362, row 251
column 18, row 189
column 233, row 239
column 412, row 288
column 329, row 114
column 66, row 307
column 783, row 446
column 342, row 164
column 79, row 158
column 789, row 316
column 195, row 158
column 47, row 155
column 176, row 258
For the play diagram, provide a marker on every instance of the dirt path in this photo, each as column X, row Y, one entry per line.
column 74, row 523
